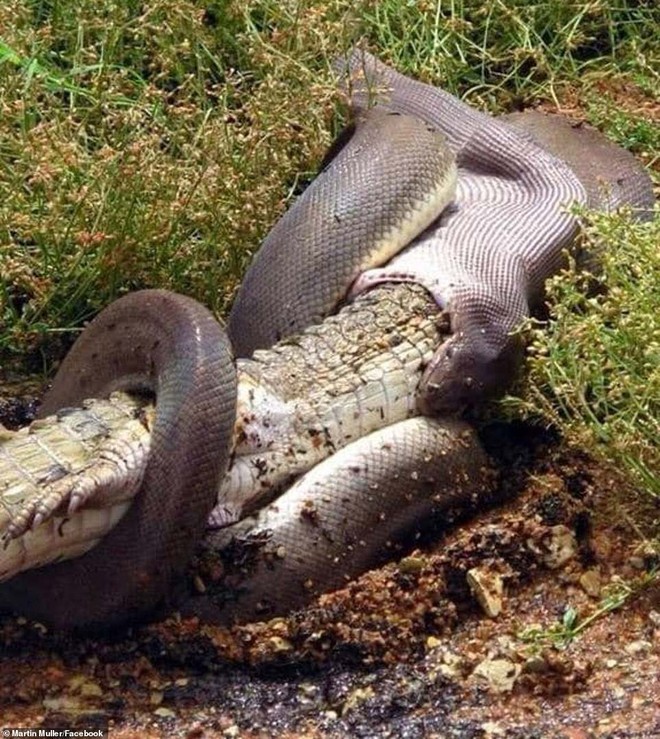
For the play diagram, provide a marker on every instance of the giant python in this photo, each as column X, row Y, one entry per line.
column 339, row 409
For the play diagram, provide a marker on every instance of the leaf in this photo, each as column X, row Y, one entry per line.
column 570, row 618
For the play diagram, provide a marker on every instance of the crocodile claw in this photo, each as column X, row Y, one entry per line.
column 111, row 475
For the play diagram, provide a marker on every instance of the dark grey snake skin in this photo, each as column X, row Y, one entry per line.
column 486, row 260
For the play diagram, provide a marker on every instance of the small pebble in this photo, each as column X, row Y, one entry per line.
column 635, row 647
column 487, row 588
column 411, row 565
column 164, row 713
column 591, row 583
column 500, row 674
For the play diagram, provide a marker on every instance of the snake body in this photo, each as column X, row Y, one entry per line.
column 490, row 257
column 393, row 178
column 172, row 345
column 487, row 278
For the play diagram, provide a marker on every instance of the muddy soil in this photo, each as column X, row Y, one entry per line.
column 461, row 638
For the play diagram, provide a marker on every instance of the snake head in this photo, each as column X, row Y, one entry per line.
column 480, row 359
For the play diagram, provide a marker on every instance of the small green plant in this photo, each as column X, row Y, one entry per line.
column 572, row 624
column 594, row 366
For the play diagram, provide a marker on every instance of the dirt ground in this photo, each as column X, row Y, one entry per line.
column 410, row 650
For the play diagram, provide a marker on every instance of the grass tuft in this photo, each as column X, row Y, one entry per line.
column 594, row 367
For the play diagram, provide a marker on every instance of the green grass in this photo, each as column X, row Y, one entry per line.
column 511, row 50
column 155, row 144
